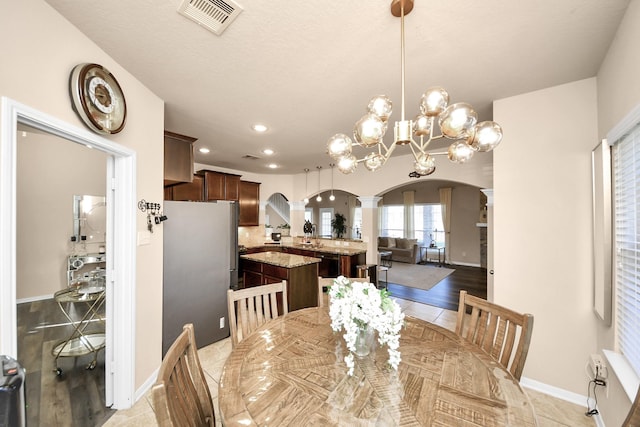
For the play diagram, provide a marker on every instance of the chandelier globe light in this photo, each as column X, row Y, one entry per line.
column 457, row 122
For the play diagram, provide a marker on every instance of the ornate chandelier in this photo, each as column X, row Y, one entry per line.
column 458, row 122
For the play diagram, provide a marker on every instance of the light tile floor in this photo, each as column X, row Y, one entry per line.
column 551, row 412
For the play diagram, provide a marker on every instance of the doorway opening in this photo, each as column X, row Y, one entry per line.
column 119, row 238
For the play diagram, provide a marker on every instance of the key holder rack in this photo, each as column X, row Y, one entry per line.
column 154, row 213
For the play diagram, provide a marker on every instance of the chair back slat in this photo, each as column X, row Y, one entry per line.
column 250, row 308
column 181, row 395
column 497, row 330
column 508, row 342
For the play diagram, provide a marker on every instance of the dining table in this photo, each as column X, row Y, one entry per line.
column 291, row 372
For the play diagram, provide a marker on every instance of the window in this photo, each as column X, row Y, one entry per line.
column 392, row 221
column 626, row 198
column 308, row 214
column 326, row 215
column 356, row 229
column 427, row 223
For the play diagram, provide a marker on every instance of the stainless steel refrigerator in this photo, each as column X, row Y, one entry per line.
column 200, row 265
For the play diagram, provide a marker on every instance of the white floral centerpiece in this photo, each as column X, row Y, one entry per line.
column 356, row 306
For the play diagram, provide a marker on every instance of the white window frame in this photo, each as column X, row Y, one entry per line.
column 620, row 364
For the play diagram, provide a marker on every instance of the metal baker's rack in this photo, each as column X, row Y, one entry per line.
column 85, row 289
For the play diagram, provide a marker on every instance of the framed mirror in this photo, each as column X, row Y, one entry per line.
column 89, row 219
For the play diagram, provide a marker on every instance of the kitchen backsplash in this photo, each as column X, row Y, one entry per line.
column 256, row 236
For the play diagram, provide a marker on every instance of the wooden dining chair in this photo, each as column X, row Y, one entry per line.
column 249, row 308
column 181, row 396
column 633, row 418
column 325, row 282
column 496, row 329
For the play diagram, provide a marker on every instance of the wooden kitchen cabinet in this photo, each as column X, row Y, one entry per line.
column 178, row 158
column 249, row 202
column 189, row 191
column 348, row 264
column 220, row 186
column 302, row 281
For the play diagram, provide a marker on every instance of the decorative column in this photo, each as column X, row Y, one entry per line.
column 489, row 193
column 369, row 206
column 296, row 216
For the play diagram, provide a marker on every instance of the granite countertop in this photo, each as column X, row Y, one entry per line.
column 281, row 259
column 328, row 249
column 321, row 249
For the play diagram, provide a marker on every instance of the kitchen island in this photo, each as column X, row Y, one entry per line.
column 334, row 261
column 300, row 272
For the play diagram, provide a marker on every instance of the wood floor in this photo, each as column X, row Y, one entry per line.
column 75, row 398
column 445, row 294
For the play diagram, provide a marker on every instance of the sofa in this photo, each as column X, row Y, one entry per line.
column 402, row 250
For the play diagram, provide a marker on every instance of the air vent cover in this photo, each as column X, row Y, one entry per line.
column 214, row 15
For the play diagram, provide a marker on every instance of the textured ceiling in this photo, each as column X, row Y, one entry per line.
column 307, row 69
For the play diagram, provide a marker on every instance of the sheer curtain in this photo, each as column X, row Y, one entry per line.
column 351, row 204
column 409, row 201
column 445, row 201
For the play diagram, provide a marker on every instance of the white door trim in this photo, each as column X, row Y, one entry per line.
column 121, row 244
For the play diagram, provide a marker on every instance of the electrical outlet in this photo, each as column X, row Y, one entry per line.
column 598, row 368
column 221, row 322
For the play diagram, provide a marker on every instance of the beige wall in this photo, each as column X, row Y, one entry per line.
column 545, row 209
column 50, row 172
column 39, row 51
column 542, row 232
column 618, row 93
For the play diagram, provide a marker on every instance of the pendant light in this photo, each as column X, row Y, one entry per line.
column 332, row 197
column 319, row 198
column 306, row 190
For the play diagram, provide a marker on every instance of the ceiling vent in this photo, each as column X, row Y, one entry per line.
column 250, row 157
column 214, row 15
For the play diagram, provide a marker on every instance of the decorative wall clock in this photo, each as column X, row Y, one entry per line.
column 98, row 98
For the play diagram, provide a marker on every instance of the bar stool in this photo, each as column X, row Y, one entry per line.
column 384, row 269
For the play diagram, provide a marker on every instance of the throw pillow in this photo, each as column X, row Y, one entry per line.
column 405, row 243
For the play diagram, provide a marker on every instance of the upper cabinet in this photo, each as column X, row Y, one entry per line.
column 220, row 186
column 249, row 203
column 210, row 185
column 186, row 192
column 178, row 158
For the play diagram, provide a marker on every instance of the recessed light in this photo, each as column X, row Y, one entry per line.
column 204, row 150
column 268, row 151
column 259, row 127
column 273, row 166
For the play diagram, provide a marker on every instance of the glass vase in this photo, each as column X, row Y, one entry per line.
column 364, row 341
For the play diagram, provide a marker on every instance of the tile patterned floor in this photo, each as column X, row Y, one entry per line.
column 551, row 412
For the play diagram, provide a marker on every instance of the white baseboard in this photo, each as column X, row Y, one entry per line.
column 559, row 393
column 146, row 386
column 33, row 299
